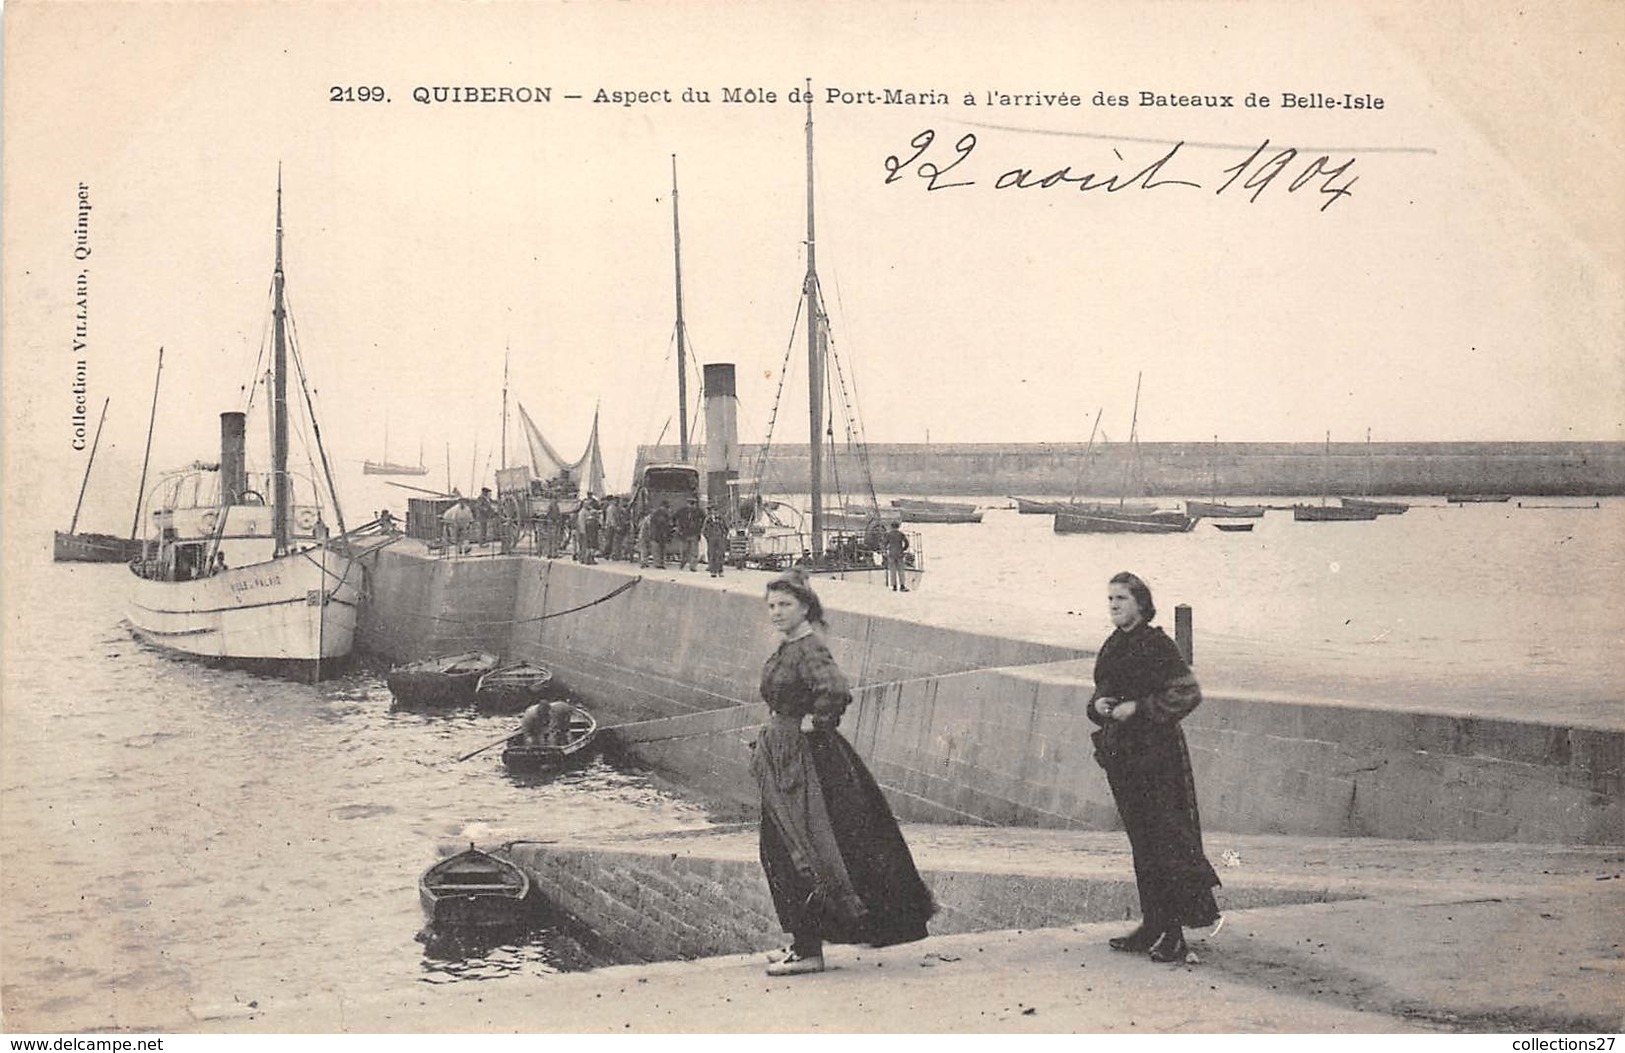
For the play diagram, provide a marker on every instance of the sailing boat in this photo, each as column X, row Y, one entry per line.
column 74, row 547
column 245, row 569
column 1364, row 503
column 1121, row 520
column 848, row 556
column 1028, row 506
column 384, row 467
column 1325, row 513
column 1216, row 509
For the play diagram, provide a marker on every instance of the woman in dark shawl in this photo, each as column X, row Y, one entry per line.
column 835, row 860
column 1143, row 688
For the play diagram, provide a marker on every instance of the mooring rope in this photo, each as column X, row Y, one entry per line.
column 525, row 621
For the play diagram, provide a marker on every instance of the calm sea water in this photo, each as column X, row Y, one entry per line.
column 184, row 841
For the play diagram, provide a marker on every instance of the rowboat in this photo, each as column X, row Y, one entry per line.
column 1234, row 528
column 1477, row 499
column 1117, row 523
column 914, row 511
column 85, row 547
column 1331, row 514
column 446, row 680
column 1028, row 506
column 512, row 687
column 1219, row 510
column 1382, row 508
column 527, row 758
column 474, row 890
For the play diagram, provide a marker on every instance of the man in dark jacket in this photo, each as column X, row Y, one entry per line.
column 690, row 520
column 896, row 545
column 660, row 532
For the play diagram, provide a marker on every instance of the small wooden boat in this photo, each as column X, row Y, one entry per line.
column 512, row 687
column 1382, row 508
column 1218, row 510
column 1477, row 499
column 446, row 680
column 526, row 758
column 1118, row 523
column 474, row 890
column 1234, row 528
column 1331, row 514
column 917, row 511
column 1028, row 506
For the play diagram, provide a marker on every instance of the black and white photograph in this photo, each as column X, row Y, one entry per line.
column 672, row 518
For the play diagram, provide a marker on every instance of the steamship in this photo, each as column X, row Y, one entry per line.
column 244, row 567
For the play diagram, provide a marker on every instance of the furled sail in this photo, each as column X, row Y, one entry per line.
column 585, row 474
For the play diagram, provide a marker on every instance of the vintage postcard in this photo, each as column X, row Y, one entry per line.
column 331, row 328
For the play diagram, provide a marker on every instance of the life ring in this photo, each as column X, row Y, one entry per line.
column 306, row 518
column 243, row 498
column 207, row 521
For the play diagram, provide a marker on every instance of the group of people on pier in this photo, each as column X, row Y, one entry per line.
column 835, row 860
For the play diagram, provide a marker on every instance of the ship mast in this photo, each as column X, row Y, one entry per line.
column 682, row 367
column 815, row 364
column 282, row 489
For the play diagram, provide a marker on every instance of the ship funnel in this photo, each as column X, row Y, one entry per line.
column 233, row 473
column 721, row 433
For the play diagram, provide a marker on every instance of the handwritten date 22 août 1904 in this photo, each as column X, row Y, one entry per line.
column 1250, row 177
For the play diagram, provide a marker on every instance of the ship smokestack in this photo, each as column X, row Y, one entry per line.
column 721, row 432
column 233, row 472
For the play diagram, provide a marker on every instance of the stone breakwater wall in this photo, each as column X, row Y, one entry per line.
column 704, row 896
column 962, row 725
column 1193, row 469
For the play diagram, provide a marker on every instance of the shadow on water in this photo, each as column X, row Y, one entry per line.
column 548, row 943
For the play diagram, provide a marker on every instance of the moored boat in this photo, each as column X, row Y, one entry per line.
column 1477, row 499
column 246, row 570
column 916, row 511
column 523, row 757
column 1118, row 523
column 444, row 680
column 1234, row 528
column 1331, row 514
column 1382, row 508
column 1219, row 510
column 474, row 890
column 511, row 688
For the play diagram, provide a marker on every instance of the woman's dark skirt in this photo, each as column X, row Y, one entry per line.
column 1156, row 797
column 894, row 902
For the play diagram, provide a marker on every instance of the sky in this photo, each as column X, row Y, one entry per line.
column 1467, row 286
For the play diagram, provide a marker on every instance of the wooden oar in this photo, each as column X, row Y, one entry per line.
column 492, row 745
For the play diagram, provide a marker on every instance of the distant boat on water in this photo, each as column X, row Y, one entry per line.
column 72, row 546
column 1381, row 508
column 1325, row 513
column 1219, row 510
column 1477, row 499
column 917, row 511
column 388, row 467
column 1030, row 507
column 1114, row 522
column 1234, row 528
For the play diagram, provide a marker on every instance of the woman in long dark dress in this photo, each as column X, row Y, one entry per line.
column 1143, row 689
column 835, row 861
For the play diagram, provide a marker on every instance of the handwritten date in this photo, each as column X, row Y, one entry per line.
column 1256, row 174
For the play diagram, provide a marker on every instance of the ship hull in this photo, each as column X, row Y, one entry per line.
column 300, row 608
